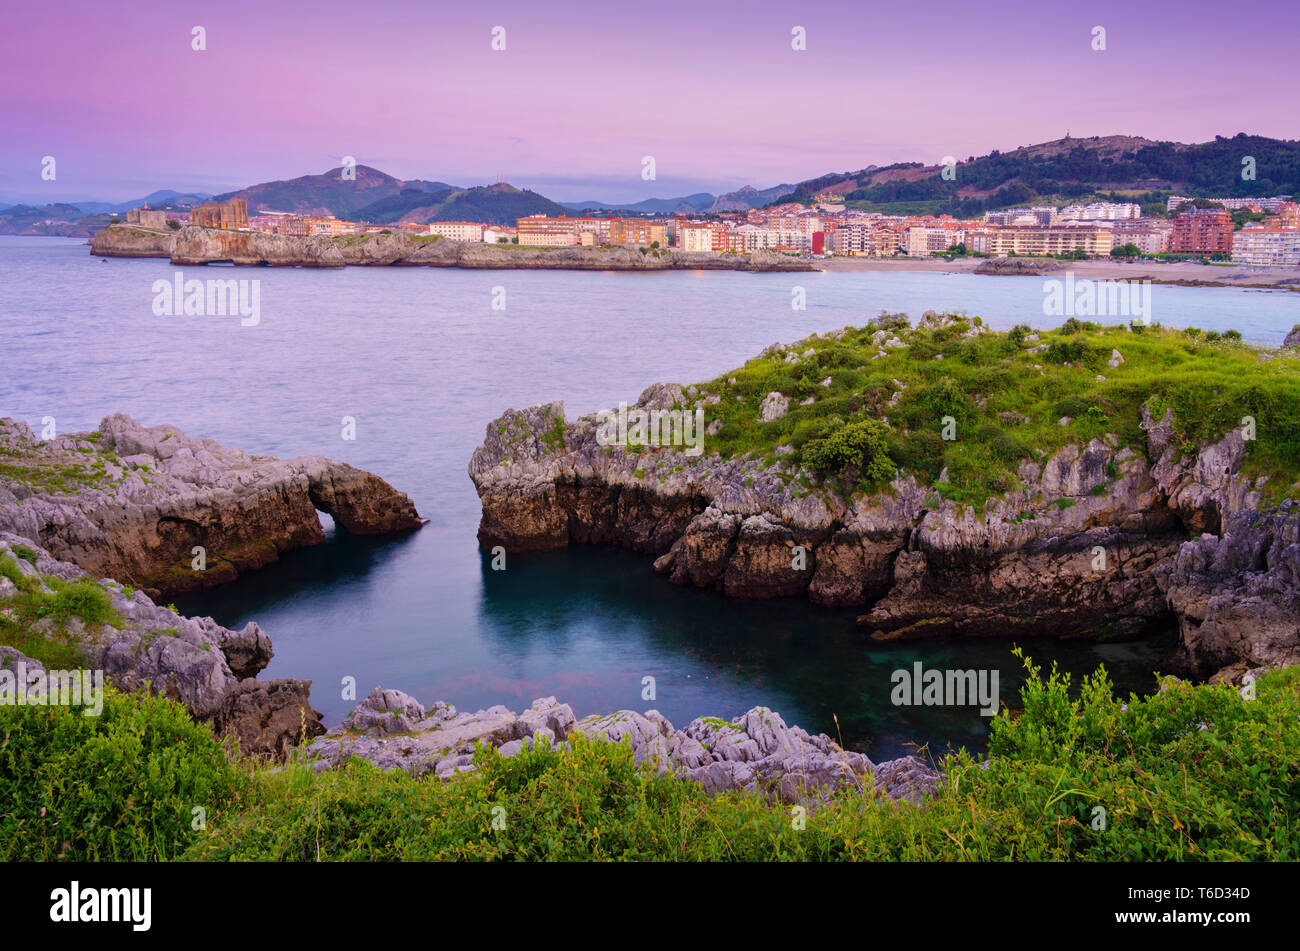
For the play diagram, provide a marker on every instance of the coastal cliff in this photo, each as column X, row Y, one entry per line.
column 1141, row 527
column 193, row 245
column 133, row 503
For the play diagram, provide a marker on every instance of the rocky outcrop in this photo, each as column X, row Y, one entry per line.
column 207, row 668
column 134, row 503
column 756, row 752
column 194, row 245
column 1018, row 267
column 1237, row 595
column 1073, row 551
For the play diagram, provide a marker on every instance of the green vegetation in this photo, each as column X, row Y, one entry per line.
column 1005, row 396
column 1191, row 773
column 37, row 620
column 553, row 438
column 1080, row 173
column 121, row 786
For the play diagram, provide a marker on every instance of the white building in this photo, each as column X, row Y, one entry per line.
column 1274, row 247
column 1234, row 204
column 921, row 242
column 1102, row 211
column 458, row 230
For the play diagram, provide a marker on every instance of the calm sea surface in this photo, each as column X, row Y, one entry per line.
column 423, row 363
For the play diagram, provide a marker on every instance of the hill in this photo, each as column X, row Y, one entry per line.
column 749, row 197
column 1071, row 168
column 59, row 219
column 328, row 193
column 686, row 204
column 499, row 204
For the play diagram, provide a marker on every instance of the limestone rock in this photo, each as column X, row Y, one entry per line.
column 774, row 406
column 158, row 495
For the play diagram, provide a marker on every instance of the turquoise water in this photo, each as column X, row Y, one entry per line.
column 422, row 361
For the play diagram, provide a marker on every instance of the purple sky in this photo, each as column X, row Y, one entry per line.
column 711, row 89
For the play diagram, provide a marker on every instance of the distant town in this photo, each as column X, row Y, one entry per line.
column 1255, row 231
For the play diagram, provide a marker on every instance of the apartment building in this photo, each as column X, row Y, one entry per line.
column 457, row 230
column 637, row 231
column 701, row 236
column 544, row 231
column 1234, row 204
column 921, row 242
column 1149, row 235
column 308, row 225
column 1039, row 214
column 1056, row 239
column 1102, row 211
column 1202, row 231
column 859, row 239
column 1272, row 247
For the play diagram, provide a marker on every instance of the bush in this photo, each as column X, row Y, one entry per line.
column 121, row 786
column 860, row 447
column 1003, row 446
column 80, row 599
column 1074, row 352
column 1074, row 325
column 921, row 452
column 945, row 397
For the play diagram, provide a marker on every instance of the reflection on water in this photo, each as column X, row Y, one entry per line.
column 592, row 644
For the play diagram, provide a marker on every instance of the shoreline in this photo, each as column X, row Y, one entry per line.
column 196, row 246
column 1179, row 273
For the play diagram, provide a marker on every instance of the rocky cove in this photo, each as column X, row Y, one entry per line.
column 1097, row 539
column 113, row 518
column 193, row 245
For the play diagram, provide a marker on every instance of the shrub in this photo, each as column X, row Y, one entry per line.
column 1074, row 325
column 80, row 599
column 921, row 451
column 946, row 397
column 860, row 446
column 117, row 787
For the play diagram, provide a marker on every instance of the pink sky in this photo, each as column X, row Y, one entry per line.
column 711, row 89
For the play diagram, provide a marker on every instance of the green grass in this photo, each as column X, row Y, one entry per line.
column 1209, row 384
column 121, row 786
column 36, row 621
column 1190, row 773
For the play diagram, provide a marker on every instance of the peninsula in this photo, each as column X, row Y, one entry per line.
column 197, row 245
